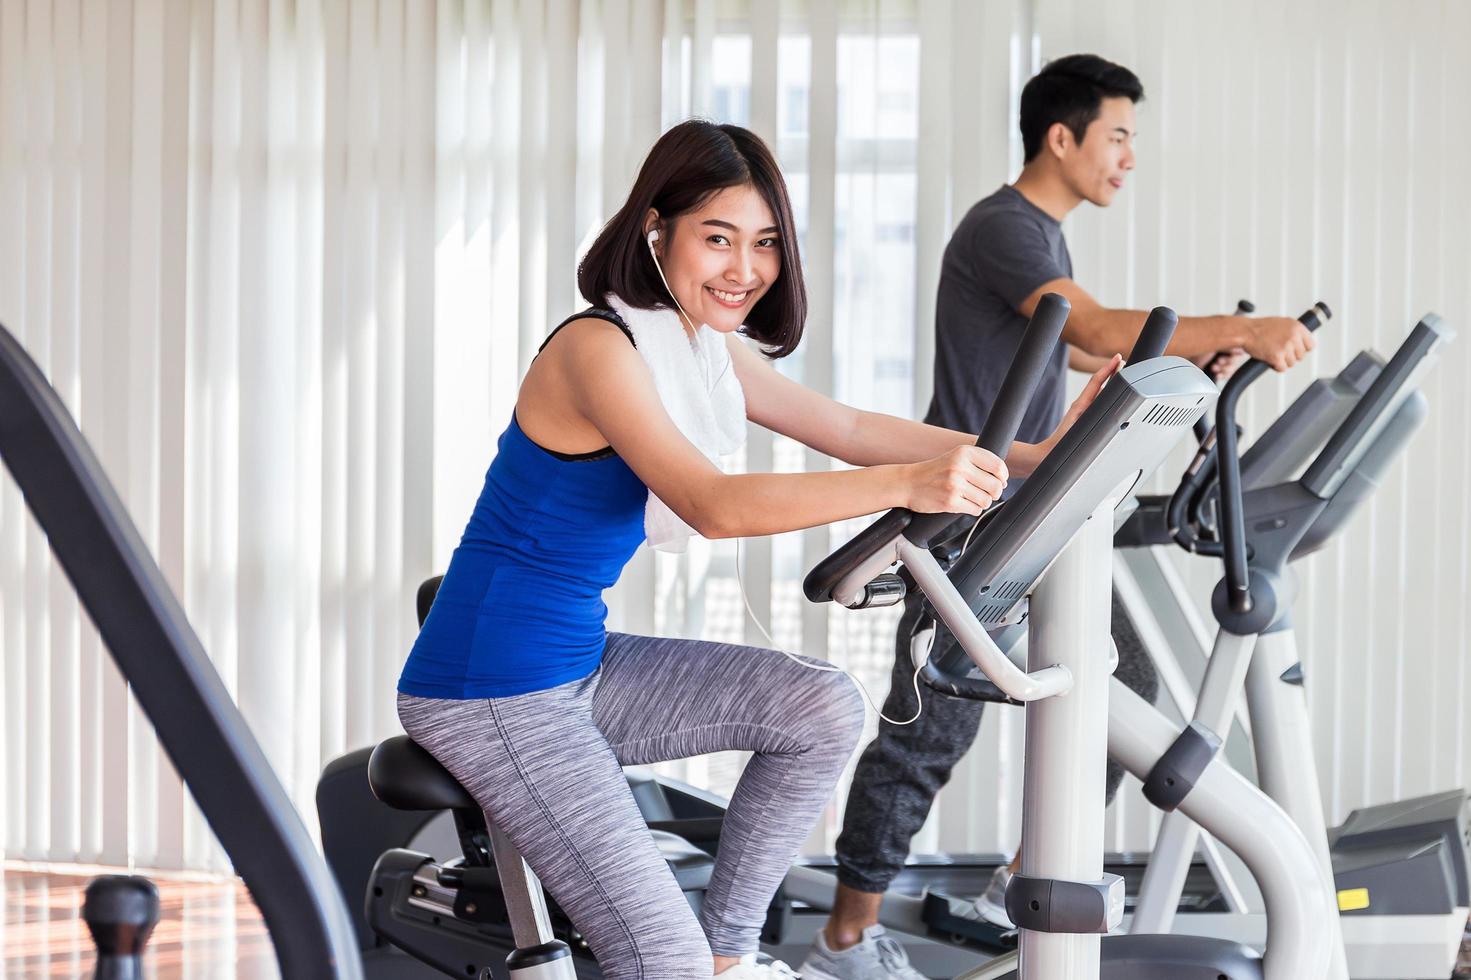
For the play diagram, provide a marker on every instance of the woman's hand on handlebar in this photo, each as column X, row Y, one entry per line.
column 966, row 480
column 1080, row 404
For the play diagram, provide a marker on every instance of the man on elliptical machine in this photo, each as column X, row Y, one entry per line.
column 1078, row 125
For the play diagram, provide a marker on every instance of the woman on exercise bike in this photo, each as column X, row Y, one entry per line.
column 514, row 684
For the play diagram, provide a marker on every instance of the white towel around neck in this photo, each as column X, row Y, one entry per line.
column 698, row 385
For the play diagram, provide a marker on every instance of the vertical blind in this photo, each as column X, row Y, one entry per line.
column 287, row 259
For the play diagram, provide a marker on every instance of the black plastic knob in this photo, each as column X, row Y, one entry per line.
column 121, row 911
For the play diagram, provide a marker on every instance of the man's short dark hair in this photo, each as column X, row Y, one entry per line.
column 1071, row 91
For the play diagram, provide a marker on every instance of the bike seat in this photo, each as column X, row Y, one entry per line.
column 403, row 775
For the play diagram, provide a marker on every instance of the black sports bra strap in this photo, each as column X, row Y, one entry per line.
column 597, row 313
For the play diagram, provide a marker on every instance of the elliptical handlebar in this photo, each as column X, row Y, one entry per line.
column 1244, row 307
column 1044, row 330
column 866, row 548
column 1345, row 447
column 1183, row 512
column 1228, row 465
column 144, row 629
column 1155, row 336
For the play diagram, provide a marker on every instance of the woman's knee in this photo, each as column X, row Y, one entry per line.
column 838, row 718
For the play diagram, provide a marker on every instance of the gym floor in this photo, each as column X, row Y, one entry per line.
column 208, row 929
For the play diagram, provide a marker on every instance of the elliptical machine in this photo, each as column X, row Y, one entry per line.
column 1400, row 870
column 1052, row 545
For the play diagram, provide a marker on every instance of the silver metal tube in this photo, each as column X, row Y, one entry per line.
column 1224, row 677
column 1164, row 877
column 1286, row 765
column 1062, row 797
column 1174, row 633
column 1300, row 906
column 1166, row 661
column 1174, row 847
column 1044, row 680
column 525, row 903
column 850, row 588
column 1166, row 594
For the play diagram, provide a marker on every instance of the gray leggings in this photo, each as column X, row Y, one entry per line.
column 545, row 767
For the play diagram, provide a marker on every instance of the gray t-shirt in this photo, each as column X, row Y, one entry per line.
column 1002, row 250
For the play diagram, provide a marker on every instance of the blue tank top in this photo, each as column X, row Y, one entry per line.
column 521, row 605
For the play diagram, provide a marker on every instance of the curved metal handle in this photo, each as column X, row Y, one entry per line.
column 996, row 665
column 1228, row 462
column 1326, row 472
column 1244, row 307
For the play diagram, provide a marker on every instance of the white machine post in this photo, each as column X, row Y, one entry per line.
column 1063, row 800
column 1286, row 766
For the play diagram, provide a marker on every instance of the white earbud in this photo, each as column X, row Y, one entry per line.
column 652, row 238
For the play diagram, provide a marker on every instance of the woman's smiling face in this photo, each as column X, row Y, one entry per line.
column 720, row 258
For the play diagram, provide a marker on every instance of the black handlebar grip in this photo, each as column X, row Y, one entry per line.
column 1043, row 332
column 1316, row 315
column 1232, row 516
column 1204, row 424
column 1155, row 337
column 1328, row 470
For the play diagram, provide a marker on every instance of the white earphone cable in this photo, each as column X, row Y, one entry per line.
column 651, row 238
column 834, row 668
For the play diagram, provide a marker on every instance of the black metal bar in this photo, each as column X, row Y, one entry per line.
column 1228, row 464
column 1327, row 472
column 1244, row 307
column 1155, row 336
column 150, row 639
column 1044, row 330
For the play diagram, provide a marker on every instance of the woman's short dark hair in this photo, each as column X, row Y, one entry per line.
column 687, row 166
column 1071, row 91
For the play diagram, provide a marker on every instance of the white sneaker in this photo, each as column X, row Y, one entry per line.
column 749, row 969
column 991, row 905
column 877, row 957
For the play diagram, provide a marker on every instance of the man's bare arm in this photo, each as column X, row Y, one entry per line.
column 1102, row 332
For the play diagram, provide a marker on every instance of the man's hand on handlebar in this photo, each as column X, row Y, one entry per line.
column 1222, row 364
column 1279, row 341
column 966, row 480
column 1080, row 404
